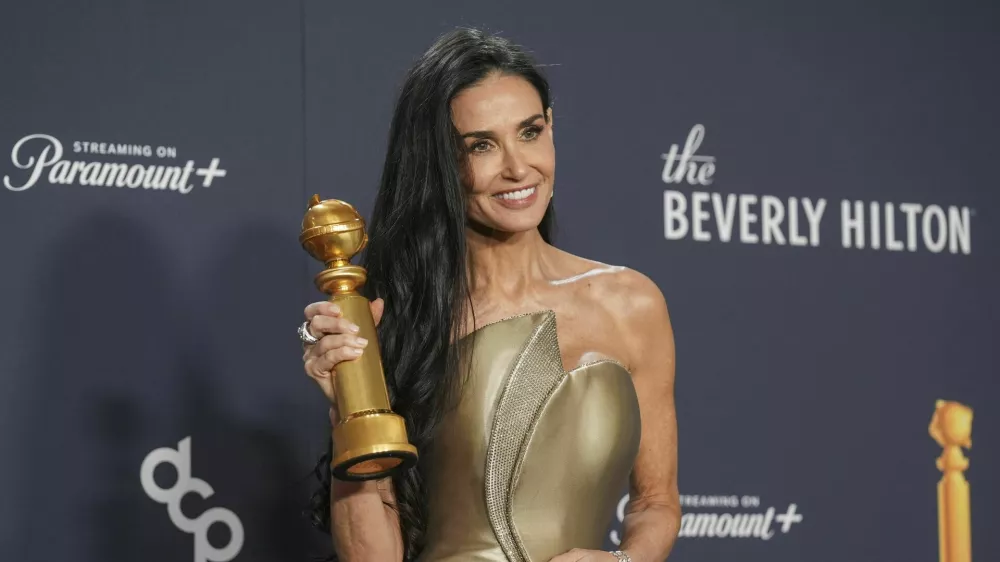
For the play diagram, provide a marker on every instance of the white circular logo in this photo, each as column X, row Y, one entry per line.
column 180, row 458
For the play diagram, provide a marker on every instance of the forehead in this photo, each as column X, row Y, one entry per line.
column 495, row 103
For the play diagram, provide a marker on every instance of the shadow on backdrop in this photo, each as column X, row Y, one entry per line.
column 244, row 335
column 107, row 306
column 131, row 360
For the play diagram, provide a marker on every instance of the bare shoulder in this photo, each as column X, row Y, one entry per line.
column 640, row 295
column 629, row 299
column 639, row 311
column 625, row 290
column 629, row 295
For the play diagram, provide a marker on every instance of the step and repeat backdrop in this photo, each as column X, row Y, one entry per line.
column 814, row 190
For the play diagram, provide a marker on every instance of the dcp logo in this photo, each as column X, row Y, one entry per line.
column 181, row 459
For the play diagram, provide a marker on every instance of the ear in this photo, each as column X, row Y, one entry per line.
column 548, row 116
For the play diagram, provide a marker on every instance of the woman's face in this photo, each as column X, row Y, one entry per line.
column 510, row 153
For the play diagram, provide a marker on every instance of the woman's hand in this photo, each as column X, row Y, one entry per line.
column 581, row 555
column 337, row 343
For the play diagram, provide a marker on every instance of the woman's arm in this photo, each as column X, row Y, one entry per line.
column 363, row 519
column 652, row 518
column 364, row 523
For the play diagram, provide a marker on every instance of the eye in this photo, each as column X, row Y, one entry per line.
column 532, row 132
column 479, row 146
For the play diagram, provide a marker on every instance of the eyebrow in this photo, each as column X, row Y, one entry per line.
column 488, row 134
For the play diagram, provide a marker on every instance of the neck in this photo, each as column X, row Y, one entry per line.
column 504, row 266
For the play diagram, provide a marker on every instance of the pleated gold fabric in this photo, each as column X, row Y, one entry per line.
column 533, row 459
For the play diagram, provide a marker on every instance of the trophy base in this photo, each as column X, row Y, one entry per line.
column 371, row 446
column 379, row 463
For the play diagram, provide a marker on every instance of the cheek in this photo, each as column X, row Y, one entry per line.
column 467, row 175
column 480, row 172
column 544, row 156
column 549, row 166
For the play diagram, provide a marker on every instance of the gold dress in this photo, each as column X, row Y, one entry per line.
column 532, row 461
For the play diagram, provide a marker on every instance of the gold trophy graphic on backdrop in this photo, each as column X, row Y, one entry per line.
column 951, row 427
column 369, row 438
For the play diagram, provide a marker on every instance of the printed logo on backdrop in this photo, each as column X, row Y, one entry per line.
column 727, row 517
column 691, row 211
column 180, row 458
column 42, row 159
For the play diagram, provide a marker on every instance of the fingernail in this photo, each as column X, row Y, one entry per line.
column 354, row 328
column 362, row 341
column 336, row 309
column 354, row 351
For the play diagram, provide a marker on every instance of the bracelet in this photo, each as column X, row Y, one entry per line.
column 621, row 556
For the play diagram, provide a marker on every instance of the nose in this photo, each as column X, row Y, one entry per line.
column 515, row 168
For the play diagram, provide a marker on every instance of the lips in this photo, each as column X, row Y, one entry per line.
column 516, row 194
column 518, row 198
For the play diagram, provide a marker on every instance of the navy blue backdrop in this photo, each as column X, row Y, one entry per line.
column 812, row 187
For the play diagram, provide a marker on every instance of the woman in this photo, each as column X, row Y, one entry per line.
column 477, row 313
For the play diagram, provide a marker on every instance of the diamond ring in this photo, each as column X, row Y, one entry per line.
column 305, row 335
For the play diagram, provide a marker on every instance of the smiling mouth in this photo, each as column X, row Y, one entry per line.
column 516, row 194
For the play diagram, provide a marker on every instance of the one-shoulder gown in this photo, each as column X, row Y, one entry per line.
column 534, row 457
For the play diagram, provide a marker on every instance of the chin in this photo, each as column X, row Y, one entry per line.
column 511, row 221
column 509, row 225
column 519, row 225
column 515, row 229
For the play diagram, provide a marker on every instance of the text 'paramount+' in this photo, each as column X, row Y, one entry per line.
column 726, row 517
column 746, row 218
column 41, row 155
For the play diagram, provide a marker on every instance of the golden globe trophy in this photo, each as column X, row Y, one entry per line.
column 369, row 438
column 951, row 427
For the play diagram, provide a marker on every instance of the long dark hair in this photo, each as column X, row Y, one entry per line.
column 417, row 258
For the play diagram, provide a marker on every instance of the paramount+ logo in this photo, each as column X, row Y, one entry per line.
column 180, row 458
column 693, row 210
column 726, row 517
column 40, row 158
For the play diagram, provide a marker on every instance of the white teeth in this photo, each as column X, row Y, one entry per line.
column 516, row 195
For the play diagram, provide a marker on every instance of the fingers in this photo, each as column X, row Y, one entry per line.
column 323, row 324
column 326, row 308
column 322, row 358
column 338, row 341
column 335, row 341
column 322, row 377
column 322, row 307
column 322, row 368
column 327, row 361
